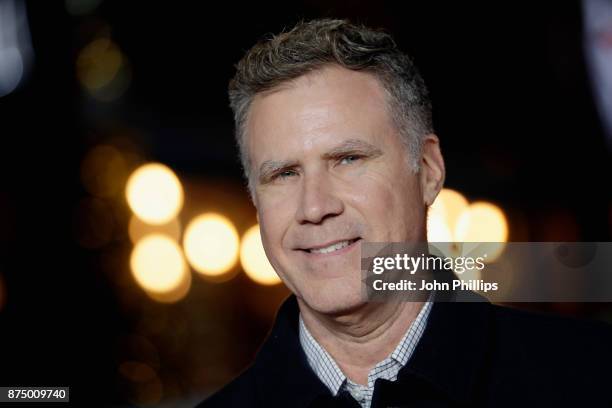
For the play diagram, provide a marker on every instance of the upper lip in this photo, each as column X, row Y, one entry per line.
column 308, row 248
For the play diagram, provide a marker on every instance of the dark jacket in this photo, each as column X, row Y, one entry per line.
column 470, row 355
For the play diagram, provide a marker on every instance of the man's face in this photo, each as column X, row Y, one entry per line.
column 329, row 171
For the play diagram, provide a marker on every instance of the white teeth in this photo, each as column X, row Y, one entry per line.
column 331, row 248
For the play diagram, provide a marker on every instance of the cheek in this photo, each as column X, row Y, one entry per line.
column 274, row 221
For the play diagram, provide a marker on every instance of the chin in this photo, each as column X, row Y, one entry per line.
column 333, row 298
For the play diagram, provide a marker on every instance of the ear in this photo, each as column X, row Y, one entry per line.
column 432, row 172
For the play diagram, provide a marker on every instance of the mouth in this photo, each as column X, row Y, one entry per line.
column 334, row 247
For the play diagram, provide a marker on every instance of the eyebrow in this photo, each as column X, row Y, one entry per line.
column 353, row 145
column 269, row 167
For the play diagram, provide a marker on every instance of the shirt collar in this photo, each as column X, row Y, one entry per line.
column 332, row 376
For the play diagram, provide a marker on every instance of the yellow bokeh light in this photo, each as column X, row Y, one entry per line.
column 254, row 260
column 138, row 229
column 444, row 215
column 437, row 228
column 158, row 266
column 452, row 219
column 103, row 70
column 486, row 224
column 453, row 205
column 482, row 222
column 211, row 244
column 98, row 63
column 154, row 193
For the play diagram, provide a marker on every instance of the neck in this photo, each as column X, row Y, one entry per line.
column 359, row 340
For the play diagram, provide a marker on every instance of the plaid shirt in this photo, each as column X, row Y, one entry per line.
column 330, row 374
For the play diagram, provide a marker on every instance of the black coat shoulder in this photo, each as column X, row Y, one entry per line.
column 479, row 354
column 559, row 359
column 518, row 330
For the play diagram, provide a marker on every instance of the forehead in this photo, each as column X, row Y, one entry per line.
column 317, row 110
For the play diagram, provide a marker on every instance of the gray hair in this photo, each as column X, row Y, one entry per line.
column 312, row 45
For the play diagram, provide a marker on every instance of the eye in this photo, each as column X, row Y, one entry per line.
column 351, row 158
column 285, row 174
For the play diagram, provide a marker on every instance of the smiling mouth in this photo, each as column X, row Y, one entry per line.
column 337, row 246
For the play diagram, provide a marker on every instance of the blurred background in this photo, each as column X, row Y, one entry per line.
column 130, row 264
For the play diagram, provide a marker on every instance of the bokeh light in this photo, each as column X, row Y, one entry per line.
column 138, row 229
column 102, row 70
column 146, row 388
column 438, row 229
column 158, row 266
column 453, row 204
column 139, row 370
column 98, row 63
column 11, row 69
column 154, row 193
column 451, row 219
column 486, row 224
column 176, row 294
column 16, row 53
column 444, row 214
column 482, row 222
column 254, row 260
column 211, row 244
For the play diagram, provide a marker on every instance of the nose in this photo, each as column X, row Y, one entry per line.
column 318, row 200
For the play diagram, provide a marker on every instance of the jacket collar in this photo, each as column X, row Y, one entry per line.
column 444, row 365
